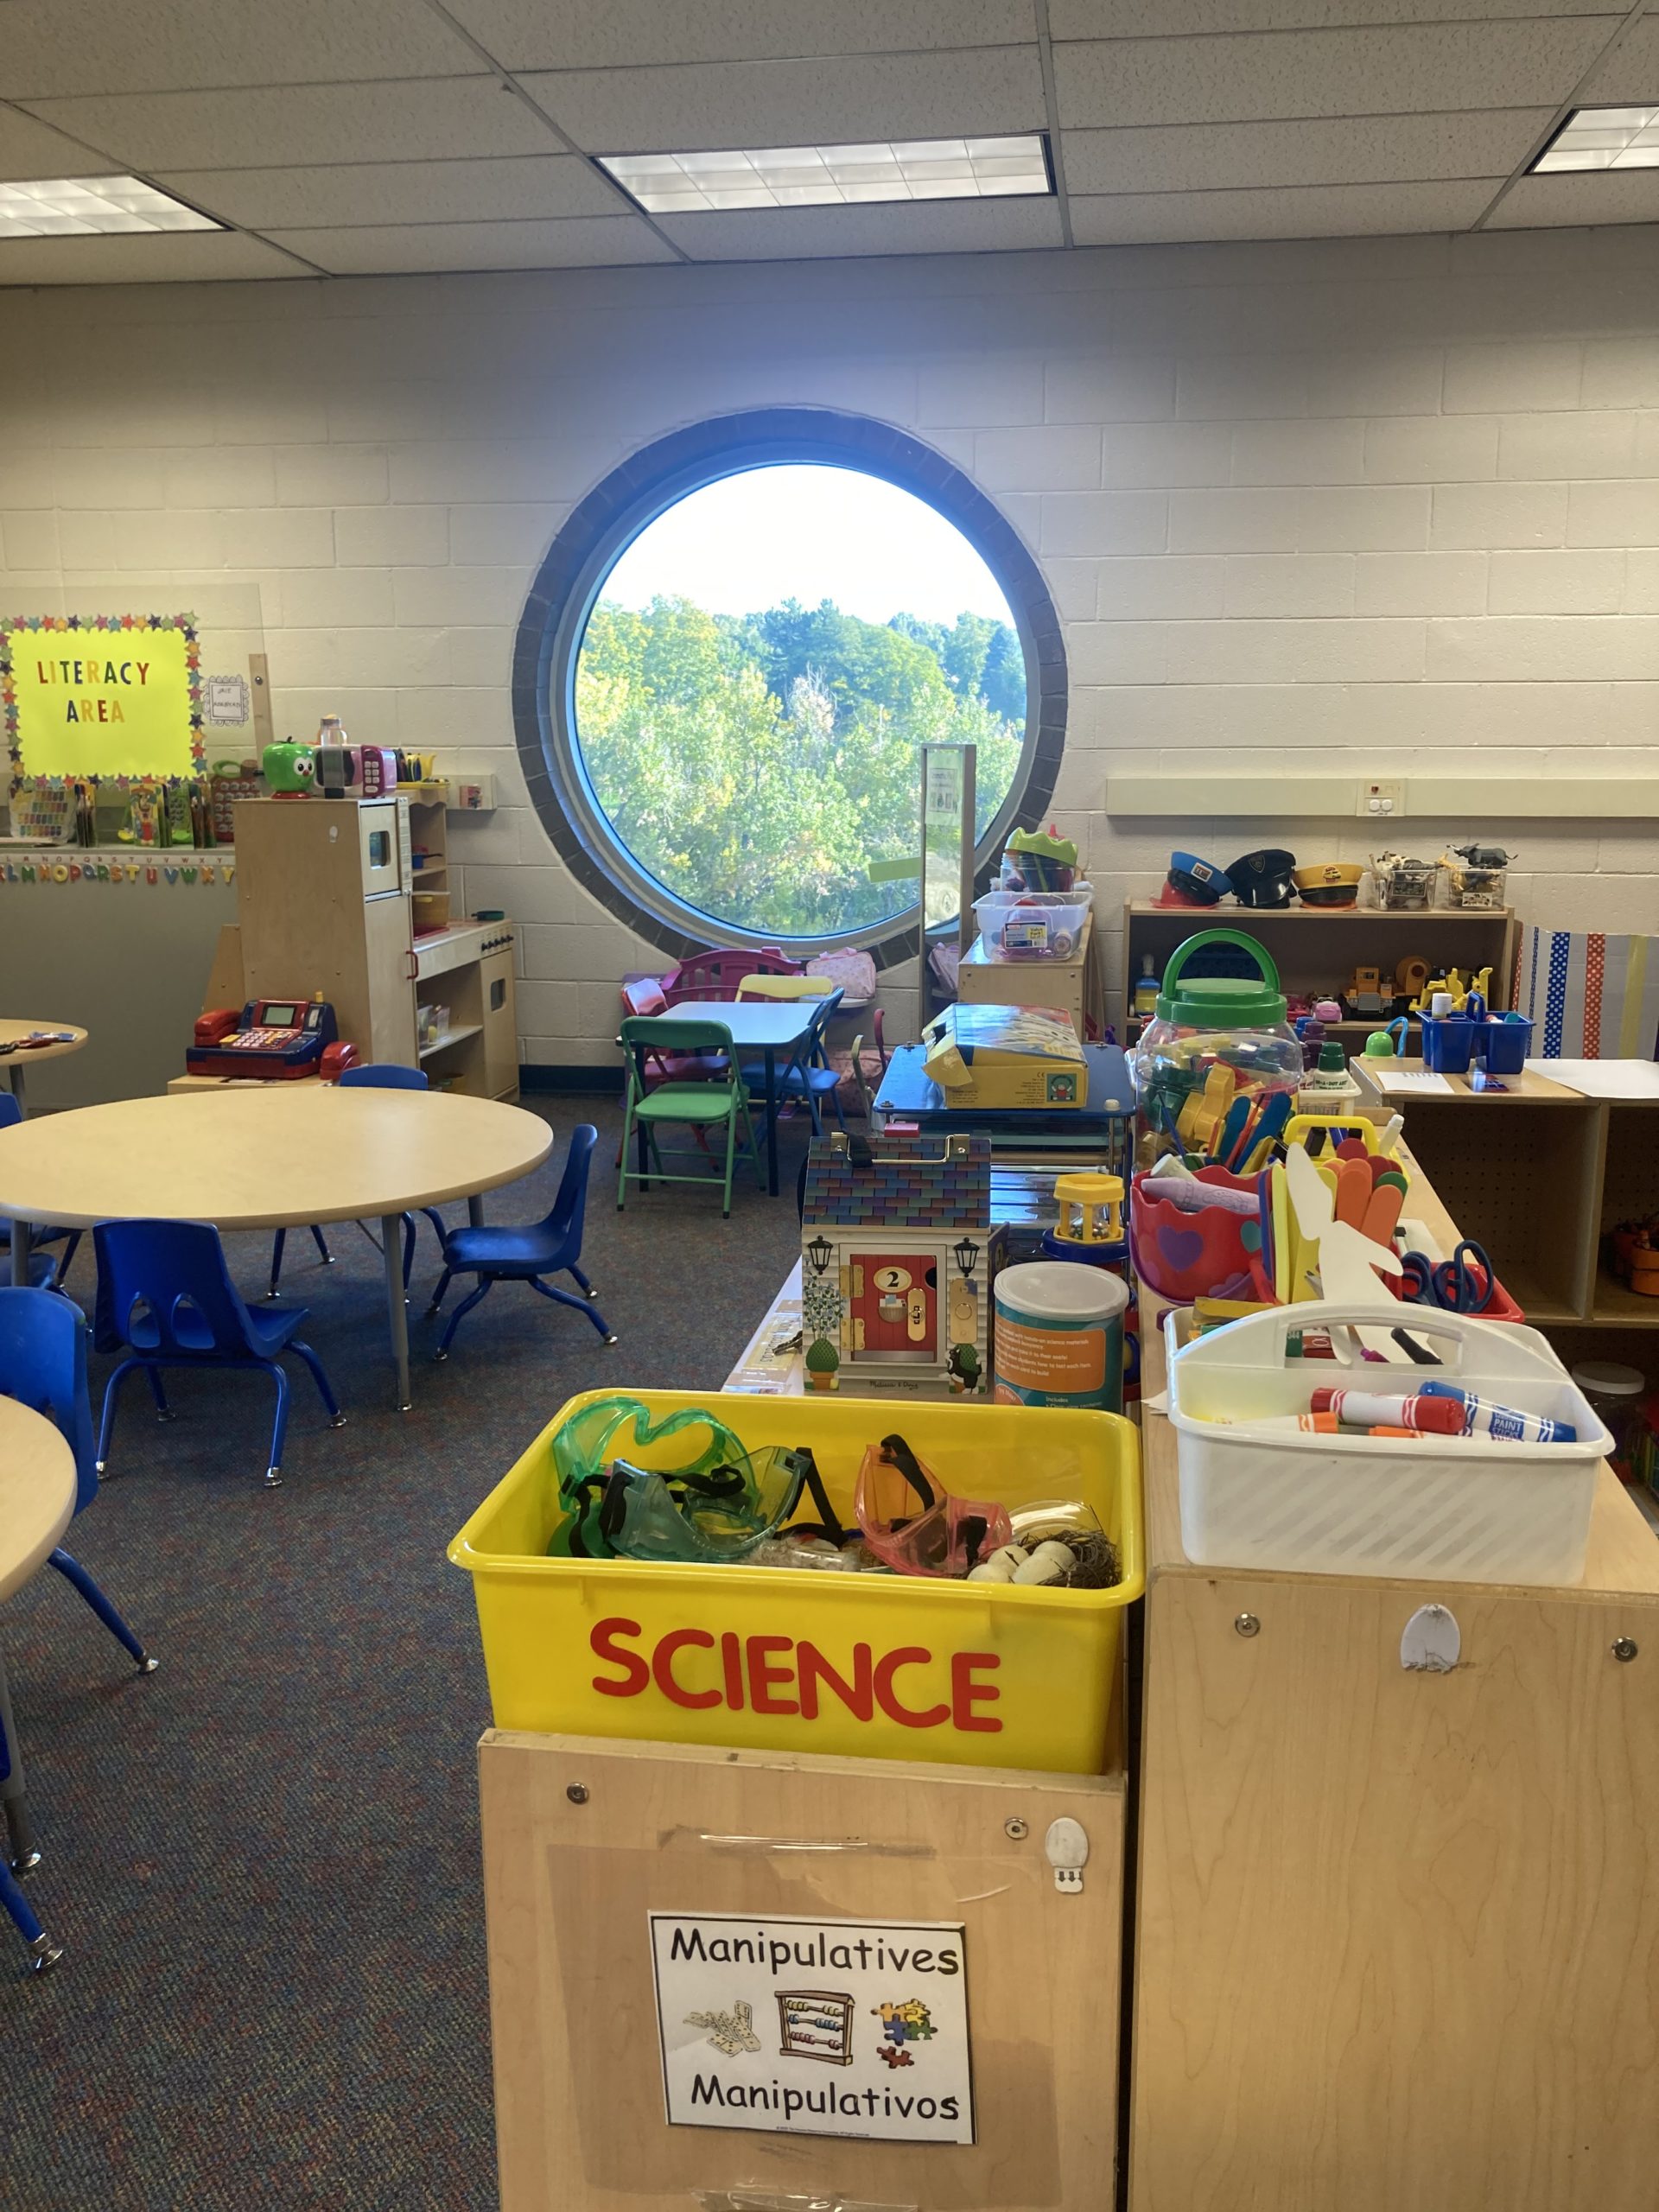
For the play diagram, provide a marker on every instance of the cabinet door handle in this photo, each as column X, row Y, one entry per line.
column 412, row 973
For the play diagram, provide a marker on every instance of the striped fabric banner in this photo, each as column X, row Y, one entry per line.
column 1591, row 996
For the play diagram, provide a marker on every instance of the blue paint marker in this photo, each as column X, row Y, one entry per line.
column 1485, row 1419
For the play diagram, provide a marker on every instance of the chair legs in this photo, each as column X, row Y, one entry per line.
column 77, row 1577
column 607, row 1334
column 277, row 1243
column 279, row 1430
column 486, row 1285
column 43, row 1952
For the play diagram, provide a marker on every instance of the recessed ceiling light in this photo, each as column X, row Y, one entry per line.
column 87, row 206
column 1604, row 138
column 796, row 176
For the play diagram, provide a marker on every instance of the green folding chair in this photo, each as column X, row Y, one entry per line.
column 720, row 1097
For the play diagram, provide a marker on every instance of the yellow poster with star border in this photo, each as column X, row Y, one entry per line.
column 103, row 698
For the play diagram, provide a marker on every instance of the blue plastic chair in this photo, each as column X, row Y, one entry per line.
column 542, row 1248
column 42, row 1271
column 377, row 1075
column 165, row 1293
column 808, row 1075
column 43, row 1366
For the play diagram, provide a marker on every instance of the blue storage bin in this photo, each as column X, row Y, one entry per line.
column 1447, row 1043
column 1503, row 1040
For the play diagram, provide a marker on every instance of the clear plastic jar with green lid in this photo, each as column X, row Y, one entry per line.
column 1203, row 1021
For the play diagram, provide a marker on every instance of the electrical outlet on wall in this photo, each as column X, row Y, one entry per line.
column 1381, row 800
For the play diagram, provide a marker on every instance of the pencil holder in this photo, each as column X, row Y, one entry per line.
column 1447, row 1043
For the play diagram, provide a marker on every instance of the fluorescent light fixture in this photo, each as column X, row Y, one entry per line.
column 833, row 176
column 1604, row 138
column 88, row 207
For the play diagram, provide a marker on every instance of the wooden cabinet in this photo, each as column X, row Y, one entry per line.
column 323, row 904
column 1397, row 1933
column 584, row 1837
column 350, row 897
column 1072, row 986
column 500, row 1014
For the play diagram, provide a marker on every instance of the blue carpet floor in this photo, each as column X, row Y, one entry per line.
column 262, row 1859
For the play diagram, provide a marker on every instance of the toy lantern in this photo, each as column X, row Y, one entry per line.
column 1091, row 1209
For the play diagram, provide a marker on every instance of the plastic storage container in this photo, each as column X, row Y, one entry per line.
column 786, row 1659
column 1033, row 925
column 1237, row 1021
column 1614, row 1393
column 1321, row 1504
column 1059, row 1339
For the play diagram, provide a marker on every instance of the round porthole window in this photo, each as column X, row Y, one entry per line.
column 732, row 655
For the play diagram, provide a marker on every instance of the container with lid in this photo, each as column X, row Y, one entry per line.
column 1058, row 1337
column 1235, row 1023
column 1328, row 1087
column 1616, row 1394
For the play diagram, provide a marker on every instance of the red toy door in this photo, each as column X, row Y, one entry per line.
column 897, row 1304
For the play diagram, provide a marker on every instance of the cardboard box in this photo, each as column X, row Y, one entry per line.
column 1006, row 1056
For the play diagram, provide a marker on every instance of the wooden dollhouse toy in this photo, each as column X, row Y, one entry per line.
column 897, row 1256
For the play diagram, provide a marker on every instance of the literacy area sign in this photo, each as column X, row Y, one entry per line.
column 814, row 2027
column 101, row 698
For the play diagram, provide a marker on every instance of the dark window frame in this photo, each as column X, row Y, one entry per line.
column 624, row 503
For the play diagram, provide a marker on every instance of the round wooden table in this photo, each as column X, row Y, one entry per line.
column 15, row 1063
column 280, row 1155
column 37, row 1498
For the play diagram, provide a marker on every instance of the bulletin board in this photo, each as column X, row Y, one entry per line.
column 101, row 698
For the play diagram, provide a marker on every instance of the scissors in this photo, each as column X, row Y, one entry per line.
column 1462, row 1284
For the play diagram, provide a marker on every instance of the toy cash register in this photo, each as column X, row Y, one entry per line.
column 269, row 1039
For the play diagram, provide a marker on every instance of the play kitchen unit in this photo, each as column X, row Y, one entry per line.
column 348, row 899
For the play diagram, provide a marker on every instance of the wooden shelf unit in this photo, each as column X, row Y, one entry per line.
column 1316, row 949
column 1539, row 1175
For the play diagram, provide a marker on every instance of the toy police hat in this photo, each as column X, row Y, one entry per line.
column 1262, row 878
column 1197, row 880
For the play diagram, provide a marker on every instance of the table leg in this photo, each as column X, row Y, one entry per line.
column 391, row 1236
column 20, row 1253
column 18, row 1087
column 20, row 1850
column 475, row 1212
column 772, row 1122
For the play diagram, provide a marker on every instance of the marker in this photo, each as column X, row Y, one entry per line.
column 1368, row 1409
column 1487, row 1418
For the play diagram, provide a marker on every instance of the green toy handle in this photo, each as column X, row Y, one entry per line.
column 1262, row 957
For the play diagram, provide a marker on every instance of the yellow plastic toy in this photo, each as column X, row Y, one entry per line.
column 1452, row 984
column 1091, row 1209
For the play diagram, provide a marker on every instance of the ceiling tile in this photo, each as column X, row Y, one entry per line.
column 28, row 149
column 1271, row 76
column 1319, row 212
column 828, row 233
column 576, row 35
column 366, row 193
column 1551, row 202
column 1631, row 72
column 433, row 119
column 54, row 47
column 1367, row 149
column 370, row 250
column 797, row 103
column 169, row 258
column 1069, row 19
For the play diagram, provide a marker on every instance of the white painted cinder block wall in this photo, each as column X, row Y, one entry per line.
column 1395, row 501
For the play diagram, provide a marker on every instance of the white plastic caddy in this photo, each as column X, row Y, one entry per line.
column 1458, row 1509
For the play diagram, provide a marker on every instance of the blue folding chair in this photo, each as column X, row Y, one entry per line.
column 377, row 1075
column 542, row 1248
column 43, row 1366
column 808, row 1075
column 40, row 1271
column 165, row 1296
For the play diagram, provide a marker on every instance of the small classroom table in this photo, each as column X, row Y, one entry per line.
column 37, row 1498
column 275, row 1155
column 15, row 1063
column 765, row 1026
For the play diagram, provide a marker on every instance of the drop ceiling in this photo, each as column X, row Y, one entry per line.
column 388, row 136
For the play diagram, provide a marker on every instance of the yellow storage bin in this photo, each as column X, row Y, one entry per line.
column 786, row 1659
